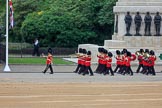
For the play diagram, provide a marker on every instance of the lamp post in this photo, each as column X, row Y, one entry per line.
column 7, row 68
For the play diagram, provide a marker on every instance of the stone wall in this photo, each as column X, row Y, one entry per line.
column 133, row 6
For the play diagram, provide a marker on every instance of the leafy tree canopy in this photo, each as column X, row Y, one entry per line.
column 63, row 23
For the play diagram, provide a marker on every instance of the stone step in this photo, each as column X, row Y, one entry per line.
column 139, row 3
column 139, row 0
column 141, row 9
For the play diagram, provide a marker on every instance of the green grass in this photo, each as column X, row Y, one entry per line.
column 37, row 60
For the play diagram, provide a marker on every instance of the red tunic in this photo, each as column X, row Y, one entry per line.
column 128, row 61
column 88, row 61
column 79, row 60
column 82, row 62
column 99, row 59
column 133, row 57
column 140, row 59
column 49, row 59
column 108, row 62
column 145, row 62
column 103, row 60
column 118, row 60
column 123, row 60
column 151, row 60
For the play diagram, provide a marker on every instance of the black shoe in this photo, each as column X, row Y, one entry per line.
column 75, row 71
column 79, row 72
column 91, row 75
column 43, row 72
column 51, row 73
column 105, row 73
column 83, row 74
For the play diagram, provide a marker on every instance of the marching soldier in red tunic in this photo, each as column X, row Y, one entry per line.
column 118, row 61
column 103, row 62
column 128, row 64
column 140, row 59
column 88, row 64
column 108, row 64
column 151, row 61
column 79, row 55
column 145, row 62
column 49, row 63
column 123, row 68
column 82, row 62
column 99, row 55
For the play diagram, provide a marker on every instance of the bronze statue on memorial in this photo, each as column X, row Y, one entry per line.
column 128, row 21
column 137, row 20
column 157, row 22
column 148, row 20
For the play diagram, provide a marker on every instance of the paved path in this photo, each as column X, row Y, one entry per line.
column 57, row 68
column 25, row 86
column 64, row 74
column 75, row 78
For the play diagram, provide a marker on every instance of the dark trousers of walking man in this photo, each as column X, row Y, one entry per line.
column 47, row 67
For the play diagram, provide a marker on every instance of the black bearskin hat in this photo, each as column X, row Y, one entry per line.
column 110, row 54
column 84, row 51
column 152, row 52
column 122, row 52
column 125, row 50
column 141, row 50
column 89, row 53
column 129, row 54
column 99, row 49
column 80, row 50
column 146, row 50
column 117, row 52
column 102, row 50
column 50, row 50
column 105, row 51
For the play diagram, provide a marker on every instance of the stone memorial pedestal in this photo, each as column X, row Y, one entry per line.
column 132, row 43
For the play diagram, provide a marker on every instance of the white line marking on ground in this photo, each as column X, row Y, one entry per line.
column 108, row 86
column 97, row 100
column 73, row 95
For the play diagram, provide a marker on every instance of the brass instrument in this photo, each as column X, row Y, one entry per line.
column 79, row 54
column 146, row 56
column 137, row 53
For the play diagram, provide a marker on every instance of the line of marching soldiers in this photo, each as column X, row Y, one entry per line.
column 123, row 62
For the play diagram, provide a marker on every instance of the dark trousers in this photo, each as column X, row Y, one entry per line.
column 145, row 70
column 139, row 67
column 128, row 25
column 151, row 70
column 123, row 69
column 129, row 70
column 98, row 68
column 138, row 25
column 107, row 71
column 147, row 29
column 78, row 68
column 157, row 27
column 117, row 67
column 36, row 51
column 102, row 69
column 82, row 69
column 47, row 67
column 88, row 70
